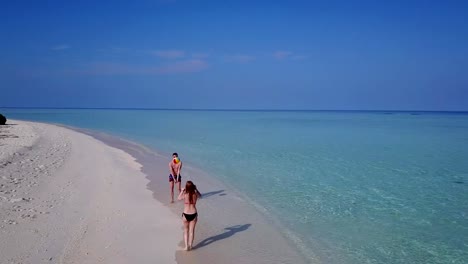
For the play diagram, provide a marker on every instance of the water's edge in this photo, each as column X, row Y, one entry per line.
column 154, row 166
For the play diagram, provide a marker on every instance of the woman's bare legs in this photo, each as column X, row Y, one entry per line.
column 191, row 233
column 186, row 233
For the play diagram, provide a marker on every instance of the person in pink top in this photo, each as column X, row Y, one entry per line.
column 175, row 166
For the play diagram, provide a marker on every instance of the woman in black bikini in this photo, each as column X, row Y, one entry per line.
column 190, row 195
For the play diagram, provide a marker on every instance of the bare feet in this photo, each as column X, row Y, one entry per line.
column 186, row 248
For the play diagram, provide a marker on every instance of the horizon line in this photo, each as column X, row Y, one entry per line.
column 234, row 109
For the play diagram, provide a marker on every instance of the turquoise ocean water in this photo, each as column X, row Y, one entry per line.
column 353, row 187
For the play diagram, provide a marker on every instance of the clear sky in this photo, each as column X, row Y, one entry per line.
column 338, row 55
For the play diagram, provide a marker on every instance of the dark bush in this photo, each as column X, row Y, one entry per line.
column 2, row 119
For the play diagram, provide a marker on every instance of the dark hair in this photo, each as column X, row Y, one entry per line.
column 191, row 189
column 175, row 154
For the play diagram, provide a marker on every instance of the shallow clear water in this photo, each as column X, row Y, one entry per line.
column 352, row 187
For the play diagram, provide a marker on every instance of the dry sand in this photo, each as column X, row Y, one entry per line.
column 66, row 197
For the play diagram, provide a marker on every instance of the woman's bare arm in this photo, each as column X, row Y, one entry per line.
column 181, row 194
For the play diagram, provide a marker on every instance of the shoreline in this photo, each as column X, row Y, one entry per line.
column 230, row 229
column 218, row 200
column 344, row 212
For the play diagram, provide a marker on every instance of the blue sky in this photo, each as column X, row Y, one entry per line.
column 356, row 55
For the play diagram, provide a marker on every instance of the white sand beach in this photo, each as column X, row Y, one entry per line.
column 66, row 197
column 72, row 197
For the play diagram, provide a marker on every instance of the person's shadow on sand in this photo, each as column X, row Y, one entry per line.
column 208, row 194
column 231, row 231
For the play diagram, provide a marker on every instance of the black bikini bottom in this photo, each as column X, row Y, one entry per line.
column 190, row 217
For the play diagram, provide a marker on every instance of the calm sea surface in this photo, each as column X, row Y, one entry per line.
column 352, row 187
